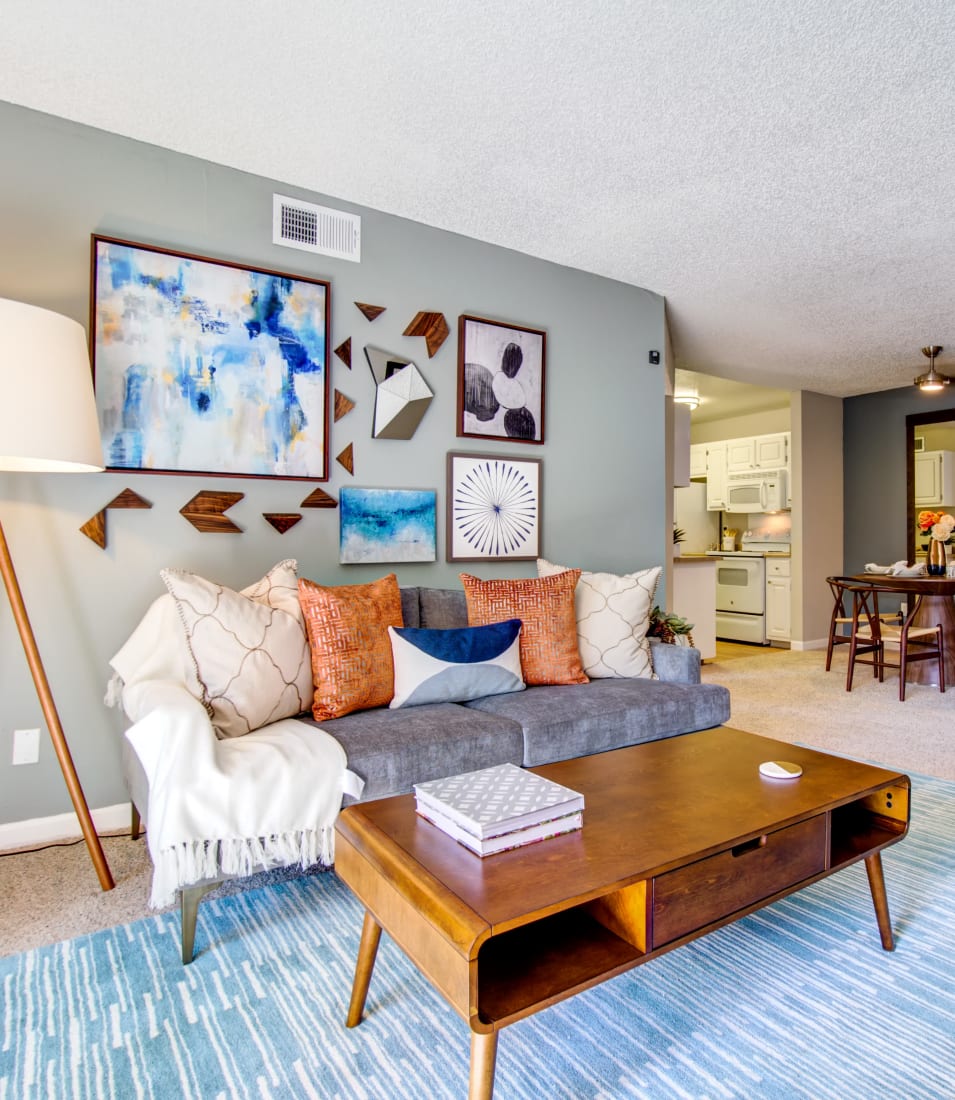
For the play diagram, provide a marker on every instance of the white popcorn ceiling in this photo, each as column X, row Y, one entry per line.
column 783, row 173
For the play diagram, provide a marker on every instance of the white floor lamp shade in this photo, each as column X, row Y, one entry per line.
column 48, row 424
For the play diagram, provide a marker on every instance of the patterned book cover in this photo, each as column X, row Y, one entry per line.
column 504, row 842
column 497, row 800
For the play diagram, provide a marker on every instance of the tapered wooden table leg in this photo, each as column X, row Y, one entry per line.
column 367, row 951
column 873, row 868
column 483, row 1060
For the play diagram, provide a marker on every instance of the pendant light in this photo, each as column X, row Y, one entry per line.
column 932, row 381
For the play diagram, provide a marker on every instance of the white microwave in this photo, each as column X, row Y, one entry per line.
column 760, row 491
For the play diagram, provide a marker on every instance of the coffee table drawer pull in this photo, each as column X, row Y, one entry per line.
column 694, row 896
column 750, row 845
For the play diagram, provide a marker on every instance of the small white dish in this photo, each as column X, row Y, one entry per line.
column 780, row 769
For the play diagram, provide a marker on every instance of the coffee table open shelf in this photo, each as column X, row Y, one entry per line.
column 680, row 837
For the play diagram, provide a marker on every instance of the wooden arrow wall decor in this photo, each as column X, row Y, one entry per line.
column 95, row 526
column 205, row 511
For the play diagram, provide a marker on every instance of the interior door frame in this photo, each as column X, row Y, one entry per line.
column 913, row 421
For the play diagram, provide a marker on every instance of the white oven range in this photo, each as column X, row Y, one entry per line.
column 741, row 589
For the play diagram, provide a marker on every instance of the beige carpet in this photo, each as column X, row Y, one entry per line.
column 790, row 696
column 54, row 894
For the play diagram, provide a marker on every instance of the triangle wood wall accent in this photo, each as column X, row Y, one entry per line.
column 347, row 459
column 371, row 312
column 95, row 526
column 433, row 327
column 319, row 499
column 205, row 510
column 343, row 405
column 282, row 521
column 343, row 351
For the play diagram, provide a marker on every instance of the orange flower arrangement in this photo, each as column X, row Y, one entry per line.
column 937, row 524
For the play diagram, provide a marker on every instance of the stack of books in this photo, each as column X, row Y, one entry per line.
column 495, row 809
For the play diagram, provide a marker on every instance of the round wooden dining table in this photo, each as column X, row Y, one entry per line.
column 937, row 606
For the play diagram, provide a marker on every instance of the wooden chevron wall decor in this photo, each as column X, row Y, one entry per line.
column 433, row 327
column 95, row 526
column 205, row 511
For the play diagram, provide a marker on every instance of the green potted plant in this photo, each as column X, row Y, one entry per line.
column 670, row 628
column 678, row 536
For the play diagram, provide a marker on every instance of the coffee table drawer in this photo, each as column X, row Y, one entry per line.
column 691, row 897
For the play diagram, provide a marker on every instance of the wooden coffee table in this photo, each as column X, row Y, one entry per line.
column 680, row 837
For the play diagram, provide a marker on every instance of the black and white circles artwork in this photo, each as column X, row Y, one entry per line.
column 500, row 381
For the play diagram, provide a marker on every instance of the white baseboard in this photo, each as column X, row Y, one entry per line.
column 813, row 643
column 37, row 831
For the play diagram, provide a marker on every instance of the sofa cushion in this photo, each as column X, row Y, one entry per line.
column 391, row 750
column 442, row 608
column 613, row 615
column 348, row 634
column 248, row 648
column 452, row 666
column 559, row 723
column 545, row 606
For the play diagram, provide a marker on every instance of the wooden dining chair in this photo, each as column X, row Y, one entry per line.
column 840, row 623
column 871, row 637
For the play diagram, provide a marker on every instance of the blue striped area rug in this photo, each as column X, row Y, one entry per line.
column 796, row 1001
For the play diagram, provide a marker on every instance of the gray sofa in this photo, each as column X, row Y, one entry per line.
column 391, row 750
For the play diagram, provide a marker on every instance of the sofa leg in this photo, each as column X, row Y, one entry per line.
column 135, row 822
column 190, row 896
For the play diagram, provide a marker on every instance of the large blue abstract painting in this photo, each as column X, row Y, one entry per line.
column 387, row 525
column 204, row 366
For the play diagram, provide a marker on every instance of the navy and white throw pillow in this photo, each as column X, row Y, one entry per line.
column 452, row 666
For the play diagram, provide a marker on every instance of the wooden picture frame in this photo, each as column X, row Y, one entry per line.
column 493, row 508
column 204, row 366
column 501, row 370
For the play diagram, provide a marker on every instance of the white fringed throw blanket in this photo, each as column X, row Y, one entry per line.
column 231, row 807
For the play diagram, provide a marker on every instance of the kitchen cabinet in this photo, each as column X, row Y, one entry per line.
column 778, row 599
column 715, row 477
column 761, row 452
column 694, row 597
column 934, row 478
column 697, row 460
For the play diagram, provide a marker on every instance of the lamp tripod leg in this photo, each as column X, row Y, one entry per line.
column 47, row 705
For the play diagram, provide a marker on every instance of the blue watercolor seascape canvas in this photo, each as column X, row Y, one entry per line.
column 202, row 366
column 387, row 525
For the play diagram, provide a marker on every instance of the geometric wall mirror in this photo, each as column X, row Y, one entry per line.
column 402, row 396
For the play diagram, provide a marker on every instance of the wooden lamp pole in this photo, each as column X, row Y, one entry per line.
column 48, row 424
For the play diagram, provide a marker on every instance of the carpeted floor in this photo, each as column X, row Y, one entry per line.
column 796, row 1002
column 789, row 695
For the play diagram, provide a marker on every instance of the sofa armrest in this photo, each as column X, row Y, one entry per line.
column 676, row 664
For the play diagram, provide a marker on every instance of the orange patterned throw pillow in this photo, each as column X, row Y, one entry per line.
column 545, row 606
column 351, row 652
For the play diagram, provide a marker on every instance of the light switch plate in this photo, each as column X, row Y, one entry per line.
column 26, row 746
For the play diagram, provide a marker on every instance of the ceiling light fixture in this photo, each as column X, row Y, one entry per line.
column 690, row 399
column 932, row 381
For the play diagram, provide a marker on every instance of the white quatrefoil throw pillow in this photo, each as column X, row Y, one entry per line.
column 249, row 648
column 613, row 616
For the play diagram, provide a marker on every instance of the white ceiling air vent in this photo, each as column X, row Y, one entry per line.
column 298, row 224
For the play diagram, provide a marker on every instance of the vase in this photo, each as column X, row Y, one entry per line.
column 936, row 558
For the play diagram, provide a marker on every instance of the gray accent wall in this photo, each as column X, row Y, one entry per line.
column 875, row 472
column 605, row 497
